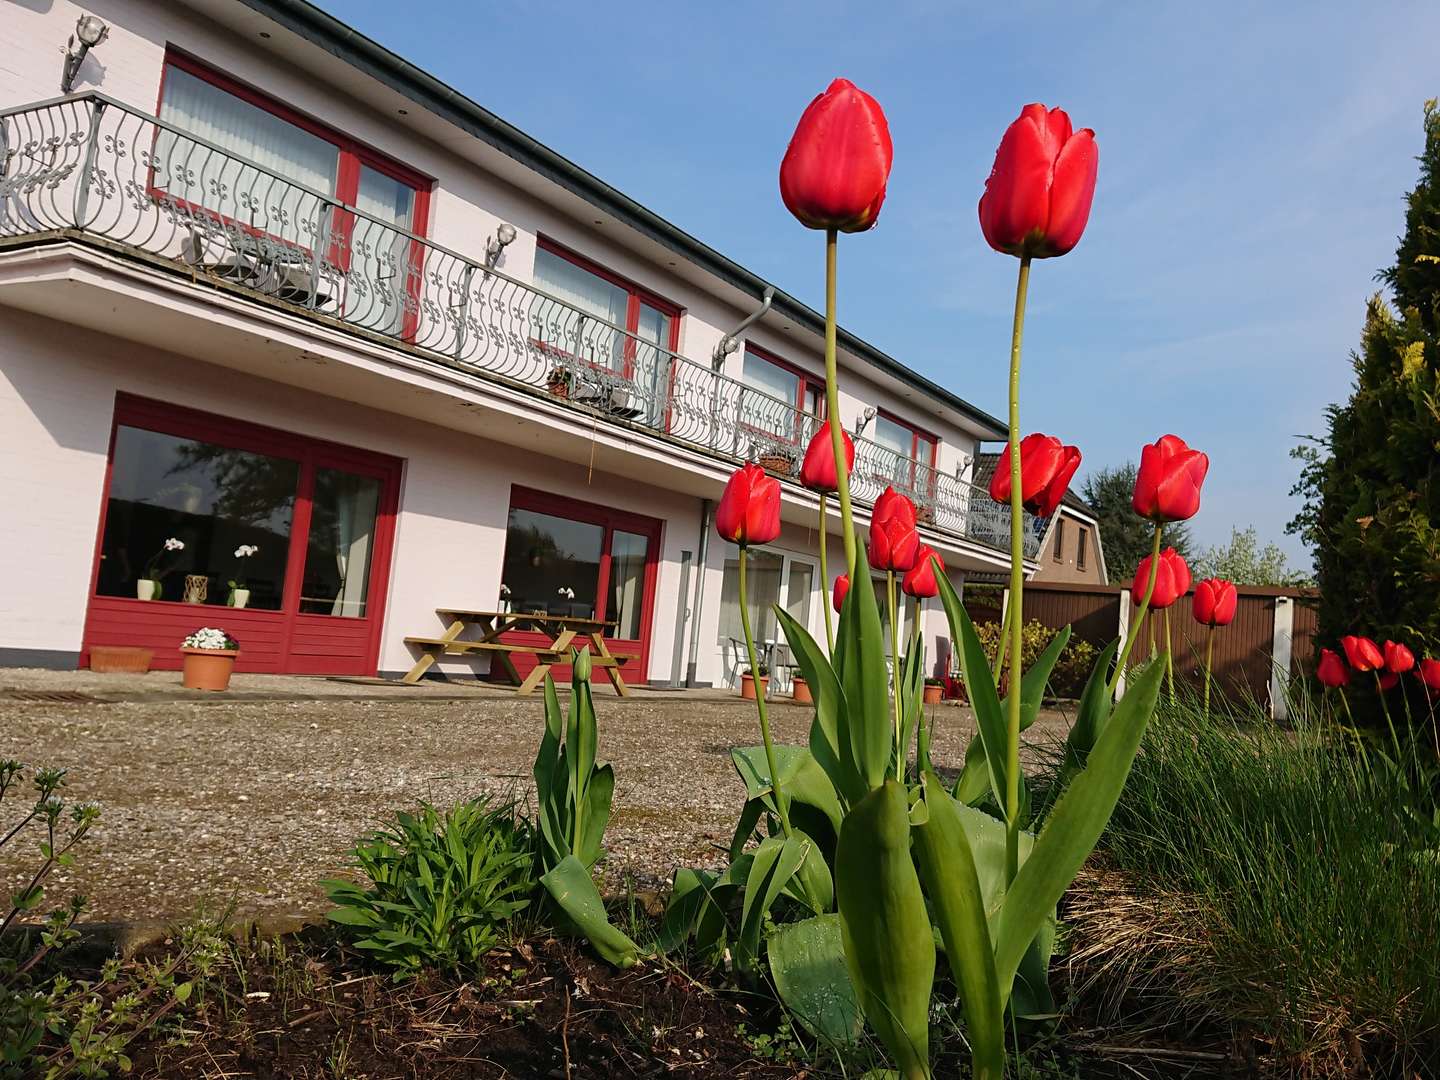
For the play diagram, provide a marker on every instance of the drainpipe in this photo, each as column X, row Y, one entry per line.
column 702, row 562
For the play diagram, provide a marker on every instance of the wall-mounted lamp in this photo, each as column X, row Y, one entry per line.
column 89, row 32
column 864, row 419
column 504, row 236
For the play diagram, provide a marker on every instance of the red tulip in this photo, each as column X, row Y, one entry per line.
column 1363, row 654
column 749, row 511
column 1172, row 580
column 1215, row 602
column 838, row 162
column 920, row 580
column 842, row 590
column 1167, row 485
column 1398, row 659
column 1331, row 671
column 1046, row 468
column 1037, row 199
column 1389, row 681
column 817, row 471
column 894, row 543
column 1430, row 674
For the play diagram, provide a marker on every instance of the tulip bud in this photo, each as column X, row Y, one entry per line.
column 1429, row 673
column 894, row 543
column 838, row 161
column 817, row 471
column 919, row 581
column 1172, row 580
column 1215, row 602
column 842, row 589
column 1046, row 468
column 1167, row 484
column 749, row 510
column 1037, row 199
column 1331, row 671
column 1363, row 654
column 1398, row 659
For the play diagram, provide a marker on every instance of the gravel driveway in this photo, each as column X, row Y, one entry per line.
column 258, row 793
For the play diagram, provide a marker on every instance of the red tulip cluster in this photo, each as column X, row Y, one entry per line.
column 1388, row 661
column 1046, row 468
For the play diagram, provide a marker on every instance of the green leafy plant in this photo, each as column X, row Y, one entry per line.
column 441, row 887
column 1072, row 667
column 574, row 793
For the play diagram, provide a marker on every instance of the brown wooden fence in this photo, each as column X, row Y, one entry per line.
column 1244, row 650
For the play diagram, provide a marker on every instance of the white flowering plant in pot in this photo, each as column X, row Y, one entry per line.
column 239, row 590
column 211, row 639
column 149, row 586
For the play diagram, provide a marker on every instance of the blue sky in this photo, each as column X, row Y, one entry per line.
column 1253, row 164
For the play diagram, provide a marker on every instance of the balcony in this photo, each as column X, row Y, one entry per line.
column 89, row 168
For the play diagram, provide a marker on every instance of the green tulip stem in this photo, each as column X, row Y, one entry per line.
column 825, row 583
column 1385, row 708
column 780, row 804
column 1017, row 584
column 832, row 408
column 1139, row 615
column 1169, row 657
column 1209, row 657
column 1004, row 641
column 895, row 677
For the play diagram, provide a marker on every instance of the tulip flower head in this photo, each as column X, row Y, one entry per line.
column 920, row 581
column 894, row 543
column 1037, row 199
column 1389, row 680
column 1331, row 671
column 842, row 589
column 749, row 510
column 1429, row 672
column 1172, row 580
column 1046, row 468
column 817, row 471
column 838, row 162
column 1167, row 484
column 1362, row 653
column 1398, row 658
column 1215, row 602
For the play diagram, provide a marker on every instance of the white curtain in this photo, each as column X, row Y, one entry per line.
column 220, row 183
column 357, row 500
column 593, row 295
column 760, row 412
column 627, row 582
column 380, row 258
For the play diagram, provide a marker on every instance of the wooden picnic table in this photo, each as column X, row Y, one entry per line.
column 562, row 630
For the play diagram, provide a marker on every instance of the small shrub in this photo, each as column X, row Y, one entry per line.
column 442, row 886
column 1071, row 670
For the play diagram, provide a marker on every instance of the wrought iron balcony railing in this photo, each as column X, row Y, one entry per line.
column 89, row 166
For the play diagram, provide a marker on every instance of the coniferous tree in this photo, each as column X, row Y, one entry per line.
column 1375, row 491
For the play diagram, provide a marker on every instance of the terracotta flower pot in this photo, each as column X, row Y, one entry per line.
column 800, row 692
column 747, row 686
column 933, row 693
column 208, row 669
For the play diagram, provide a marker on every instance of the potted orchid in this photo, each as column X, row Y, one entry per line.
column 209, row 659
column 149, row 587
column 239, row 591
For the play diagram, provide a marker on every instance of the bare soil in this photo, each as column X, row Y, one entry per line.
column 256, row 795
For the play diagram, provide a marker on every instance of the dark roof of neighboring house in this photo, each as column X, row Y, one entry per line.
column 378, row 62
column 985, row 464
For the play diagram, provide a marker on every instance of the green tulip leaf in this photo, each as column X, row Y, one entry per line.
column 860, row 664
column 801, row 779
column 689, row 894
column 570, row 886
column 1090, row 717
column 980, row 685
column 807, row 960
column 829, row 731
column 776, row 861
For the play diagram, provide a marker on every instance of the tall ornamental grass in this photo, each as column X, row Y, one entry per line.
column 1298, row 885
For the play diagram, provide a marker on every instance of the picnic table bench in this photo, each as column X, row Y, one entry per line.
column 562, row 630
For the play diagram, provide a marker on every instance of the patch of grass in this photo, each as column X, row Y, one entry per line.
column 1275, row 881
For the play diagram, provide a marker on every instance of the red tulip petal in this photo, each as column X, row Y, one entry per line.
column 1071, row 192
column 1016, row 202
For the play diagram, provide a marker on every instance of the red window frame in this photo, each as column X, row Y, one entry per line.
column 638, row 296
column 918, row 435
column 302, row 637
column 351, row 155
column 805, row 384
column 545, row 502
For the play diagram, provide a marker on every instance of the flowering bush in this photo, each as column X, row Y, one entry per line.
column 1071, row 670
column 211, row 637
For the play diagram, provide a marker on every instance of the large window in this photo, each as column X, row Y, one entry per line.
column 771, row 577
column 569, row 558
column 261, row 139
column 774, row 378
column 910, row 466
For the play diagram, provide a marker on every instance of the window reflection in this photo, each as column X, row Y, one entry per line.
column 341, row 542
column 212, row 499
column 549, row 558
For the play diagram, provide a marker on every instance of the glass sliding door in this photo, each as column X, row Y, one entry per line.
column 772, row 577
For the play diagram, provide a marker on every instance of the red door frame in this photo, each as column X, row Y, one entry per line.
column 545, row 502
column 310, row 454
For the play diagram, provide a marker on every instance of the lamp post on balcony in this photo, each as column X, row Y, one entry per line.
column 90, row 32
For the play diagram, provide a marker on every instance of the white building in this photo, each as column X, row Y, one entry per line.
column 263, row 282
